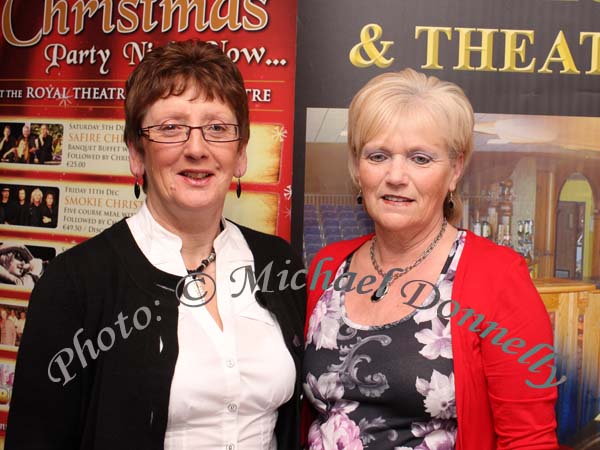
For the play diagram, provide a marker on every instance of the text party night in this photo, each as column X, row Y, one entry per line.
column 129, row 16
column 515, row 48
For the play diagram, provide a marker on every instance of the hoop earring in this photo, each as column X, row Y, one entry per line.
column 136, row 188
column 451, row 200
column 238, row 189
column 359, row 197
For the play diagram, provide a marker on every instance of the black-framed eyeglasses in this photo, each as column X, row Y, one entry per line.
column 177, row 133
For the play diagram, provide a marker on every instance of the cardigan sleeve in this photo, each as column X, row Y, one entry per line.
column 287, row 427
column 521, row 395
column 46, row 406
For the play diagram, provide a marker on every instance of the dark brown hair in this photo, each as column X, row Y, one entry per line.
column 173, row 68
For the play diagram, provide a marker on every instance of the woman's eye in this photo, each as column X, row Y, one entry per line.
column 168, row 127
column 216, row 128
column 376, row 157
column 421, row 159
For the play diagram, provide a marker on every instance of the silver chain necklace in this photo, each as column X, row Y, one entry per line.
column 402, row 270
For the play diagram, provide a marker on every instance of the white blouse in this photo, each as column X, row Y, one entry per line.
column 228, row 384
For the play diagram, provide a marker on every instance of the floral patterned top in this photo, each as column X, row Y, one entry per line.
column 382, row 387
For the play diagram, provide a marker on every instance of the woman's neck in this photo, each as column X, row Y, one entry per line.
column 400, row 249
column 196, row 231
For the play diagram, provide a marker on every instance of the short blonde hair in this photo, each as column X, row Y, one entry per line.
column 392, row 98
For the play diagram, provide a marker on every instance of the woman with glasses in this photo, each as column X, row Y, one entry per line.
column 155, row 334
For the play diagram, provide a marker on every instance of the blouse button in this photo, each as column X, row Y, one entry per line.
column 230, row 363
column 232, row 407
column 230, row 447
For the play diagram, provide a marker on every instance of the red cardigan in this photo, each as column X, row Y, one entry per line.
column 496, row 409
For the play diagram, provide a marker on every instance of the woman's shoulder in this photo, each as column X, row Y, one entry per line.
column 97, row 245
column 483, row 249
column 486, row 267
column 267, row 248
column 96, row 255
column 255, row 235
column 87, row 263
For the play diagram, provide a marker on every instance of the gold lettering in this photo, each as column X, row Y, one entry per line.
column 128, row 15
column 257, row 12
column 138, row 15
column 369, row 37
column 50, row 9
column 595, row 60
column 465, row 48
column 107, row 22
column 433, row 44
column 81, row 9
column 8, row 32
column 147, row 23
column 231, row 19
column 564, row 57
column 185, row 8
column 511, row 50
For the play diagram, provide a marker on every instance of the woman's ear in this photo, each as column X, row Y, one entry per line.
column 457, row 171
column 136, row 161
column 242, row 162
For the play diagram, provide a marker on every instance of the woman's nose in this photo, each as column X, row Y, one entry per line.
column 397, row 170
column 196, row 146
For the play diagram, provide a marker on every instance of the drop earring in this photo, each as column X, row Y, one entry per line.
column 136, row 188
column 451, row 201
column 359, row 197
column 238, row 189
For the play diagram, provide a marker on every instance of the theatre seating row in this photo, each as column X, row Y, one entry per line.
column 327, row 223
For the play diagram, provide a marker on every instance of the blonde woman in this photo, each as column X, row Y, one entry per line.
column 423, row 341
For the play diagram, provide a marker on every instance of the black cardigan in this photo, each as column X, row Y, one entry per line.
column 120, row 399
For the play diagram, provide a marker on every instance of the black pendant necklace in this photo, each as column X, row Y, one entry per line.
column 204, row 264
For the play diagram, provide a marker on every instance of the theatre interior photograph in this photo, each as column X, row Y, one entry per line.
column 300, row 225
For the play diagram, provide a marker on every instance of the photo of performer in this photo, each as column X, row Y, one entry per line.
column 57, row 153
column 40, row 143
column 18, row 266
column 20, row 324
column 8, row 330
column 8, row 141
column 21, row 208
column 49, row 212
column 44, row 145
column 7, row 207
column 17, row 315
column 35, row 208
column 24, row 150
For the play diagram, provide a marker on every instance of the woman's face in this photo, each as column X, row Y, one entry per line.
column 36, row 197
column 193, row 176
column 49, row 200
column 405, row 174
column 16, row 266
